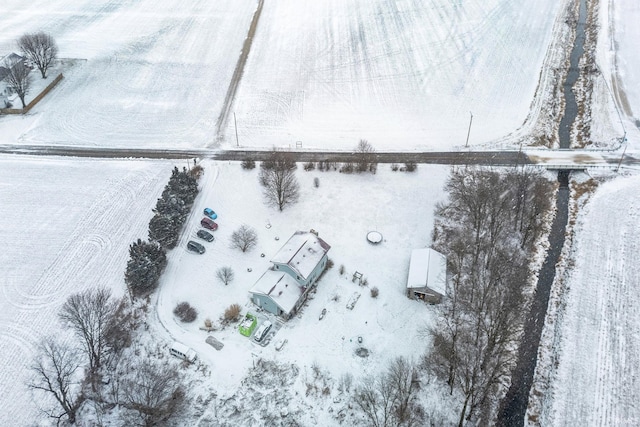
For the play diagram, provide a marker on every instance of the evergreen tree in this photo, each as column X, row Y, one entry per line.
column 146, row 263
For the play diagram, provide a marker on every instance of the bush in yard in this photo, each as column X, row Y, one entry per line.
column 341, row 270
column 410, row 166
column 232, row 313
column 374, row 292
column 347, row 168
column 329, row 264
column 309, row 166
column 185, row 312
column 248, row 164
column 196, row 171
column 394, row 167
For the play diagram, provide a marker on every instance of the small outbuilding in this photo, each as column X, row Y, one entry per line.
column 427, row 275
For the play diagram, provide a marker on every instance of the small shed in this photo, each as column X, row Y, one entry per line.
column 427, row 275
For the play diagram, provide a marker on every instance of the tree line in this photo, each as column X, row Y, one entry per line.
column 147, row 260
column 487, row 229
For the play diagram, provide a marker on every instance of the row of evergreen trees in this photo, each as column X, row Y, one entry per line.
column 147, row 260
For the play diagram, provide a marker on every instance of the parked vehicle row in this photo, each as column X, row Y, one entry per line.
column 208, row 223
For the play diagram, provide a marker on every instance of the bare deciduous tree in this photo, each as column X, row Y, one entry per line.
column 154, row 392
column 18, row 78
column 225, row 275
column 89, row 315
column 365, row 156
column 244, row 238
column 277, row 176
column 487, row 230
column 54, row 373
column 389, row 399
column 40, row 48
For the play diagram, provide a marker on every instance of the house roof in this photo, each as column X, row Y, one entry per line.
column 302, row 252
column 280, row 287
column 428, row 268
column 10, row 59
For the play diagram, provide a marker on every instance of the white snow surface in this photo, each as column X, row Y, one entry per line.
column 67, row 224
column 403, row 74
column 598, row 373
column 66, row 227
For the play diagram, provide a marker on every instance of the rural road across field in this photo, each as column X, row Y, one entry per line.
column 552, row 159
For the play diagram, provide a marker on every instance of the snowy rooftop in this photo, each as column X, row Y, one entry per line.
column 302, row 252
column 427, row 268
column 281, row 287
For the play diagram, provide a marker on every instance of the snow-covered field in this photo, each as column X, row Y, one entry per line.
column 403, row 74
column 156, row 72
column 598, row 377
column 66, row 226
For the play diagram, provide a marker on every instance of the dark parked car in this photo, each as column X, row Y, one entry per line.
column 210, row 213
column 195, row 247
column 209, row 224
column 205, row 235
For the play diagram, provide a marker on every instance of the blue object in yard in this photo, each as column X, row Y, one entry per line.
column 210, row 213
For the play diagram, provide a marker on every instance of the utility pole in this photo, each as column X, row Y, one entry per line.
column 235, row 124
column 466, row 144
column 624, row 139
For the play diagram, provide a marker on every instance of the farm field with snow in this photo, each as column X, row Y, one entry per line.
column 324, row 73
column 597, row 380
column 65, row 227
column 402, row 74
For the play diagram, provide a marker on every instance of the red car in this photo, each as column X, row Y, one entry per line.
column 208, row 223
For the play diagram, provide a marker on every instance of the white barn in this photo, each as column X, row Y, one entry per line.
column 427, row 275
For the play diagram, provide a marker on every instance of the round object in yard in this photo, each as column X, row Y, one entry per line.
column 374, row 237
column 362, row 352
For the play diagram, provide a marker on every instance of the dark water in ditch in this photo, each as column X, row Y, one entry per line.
column 514, row 406
column 571, row 107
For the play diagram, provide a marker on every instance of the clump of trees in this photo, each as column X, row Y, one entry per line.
column 40, row 49
column 97, row 368
column 487, row 229
column 390, row 399
column 278, row 179
column 173, row 208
